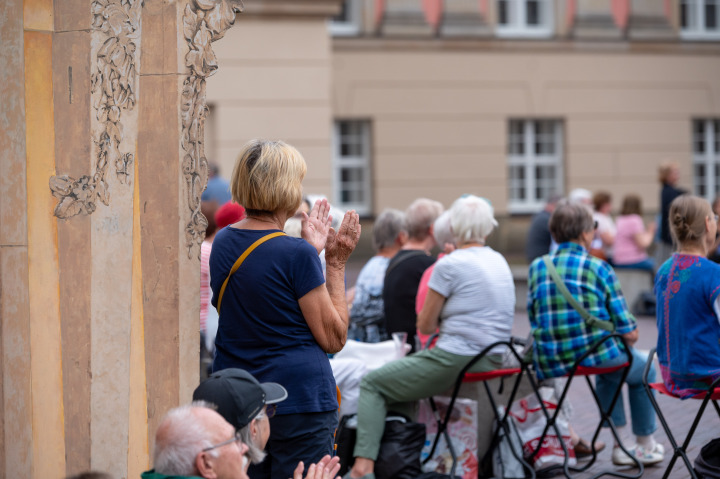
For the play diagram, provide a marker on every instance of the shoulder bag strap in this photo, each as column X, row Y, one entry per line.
column 590, row 320
column 394, row 264
column 240, row 260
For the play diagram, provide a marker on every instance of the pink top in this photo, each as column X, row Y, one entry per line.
column 421, row 293
column 625, row 250
column 205, row 291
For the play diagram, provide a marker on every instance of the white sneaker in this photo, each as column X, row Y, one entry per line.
column 645, row 456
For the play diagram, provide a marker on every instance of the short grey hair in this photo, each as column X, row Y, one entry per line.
column 387, row 227
column 254, row 453
column 570, row 220
column 180, row 437
column 442, row 230
column 471, row 219
column 420, row 216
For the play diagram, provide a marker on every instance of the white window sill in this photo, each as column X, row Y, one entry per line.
column 695, row 35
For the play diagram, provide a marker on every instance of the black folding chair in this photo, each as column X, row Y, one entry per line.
column 578, row 370
column 466, row 377
column 712, row 395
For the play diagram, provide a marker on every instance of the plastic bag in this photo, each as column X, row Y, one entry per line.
column 530, row 422
column 462, row 429
column 507, row 451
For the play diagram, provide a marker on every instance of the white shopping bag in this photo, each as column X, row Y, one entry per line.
column 462, row 429
column 530, row 422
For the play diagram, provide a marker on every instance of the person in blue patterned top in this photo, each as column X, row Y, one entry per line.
column 687, row 287
column 561, row 335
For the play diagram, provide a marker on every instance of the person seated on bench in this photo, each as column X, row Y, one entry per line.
column 561, row 335
column 472, row 298
column 687, row 287
column 632, row 238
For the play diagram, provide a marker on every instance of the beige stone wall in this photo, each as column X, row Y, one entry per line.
column 274, row 82
column 440, row 112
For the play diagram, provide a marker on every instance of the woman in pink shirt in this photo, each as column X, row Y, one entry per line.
column 633, row 239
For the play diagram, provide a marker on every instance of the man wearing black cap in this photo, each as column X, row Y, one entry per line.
column 195, row 442
column 244, row 403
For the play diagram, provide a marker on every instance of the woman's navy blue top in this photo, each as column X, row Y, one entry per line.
column 261, row 327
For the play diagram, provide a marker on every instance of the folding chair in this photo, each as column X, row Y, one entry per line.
column 712, row 395
column 465, row 377
column 578, row 370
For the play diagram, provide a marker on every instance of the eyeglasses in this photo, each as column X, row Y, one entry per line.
column 236, row 437
column 270, row 410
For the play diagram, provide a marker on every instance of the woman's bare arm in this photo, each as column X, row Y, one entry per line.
column 428, row 319
column 325, row 308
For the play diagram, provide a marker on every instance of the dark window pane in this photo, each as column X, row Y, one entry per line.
column 516, row 143
column 716, row 129
column 683, row 14
column 700, row 180
column 503, row 12
column 710, row 14
column 533, row 12
column 717, row 179
column 343, row 16
column 699, row 134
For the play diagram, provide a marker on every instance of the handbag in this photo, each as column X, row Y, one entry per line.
column 399, row 455
column 240, row 260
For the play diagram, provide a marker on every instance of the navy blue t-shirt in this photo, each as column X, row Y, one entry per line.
column 261, row 327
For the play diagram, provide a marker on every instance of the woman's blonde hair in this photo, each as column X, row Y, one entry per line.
column 267, row 177
column 687, row 219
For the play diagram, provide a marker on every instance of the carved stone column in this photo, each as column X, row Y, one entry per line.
column 102, row 165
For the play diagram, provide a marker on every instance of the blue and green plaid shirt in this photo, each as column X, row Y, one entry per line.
column 560, row 333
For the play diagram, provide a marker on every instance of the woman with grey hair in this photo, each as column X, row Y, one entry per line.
column 472, row 299
column 367, row 314
column 562, row 336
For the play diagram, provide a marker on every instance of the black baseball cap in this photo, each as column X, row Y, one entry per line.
column 239, row 397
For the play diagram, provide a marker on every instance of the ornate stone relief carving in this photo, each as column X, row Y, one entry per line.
column 113, row 88
column 204, row 21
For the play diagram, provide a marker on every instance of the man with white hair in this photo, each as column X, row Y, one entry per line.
column 194, row 441
column 405, row 269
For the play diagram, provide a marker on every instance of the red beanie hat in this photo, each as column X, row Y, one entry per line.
column 228, row 214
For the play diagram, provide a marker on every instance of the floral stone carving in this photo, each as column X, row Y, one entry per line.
column 204, row 21
column 114, row 83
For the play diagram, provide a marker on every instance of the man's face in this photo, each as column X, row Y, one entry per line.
column 262, row 423
column 229, row 463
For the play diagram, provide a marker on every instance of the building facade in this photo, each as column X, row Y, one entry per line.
column 513, row 100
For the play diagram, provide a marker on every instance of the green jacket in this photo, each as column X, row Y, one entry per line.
column 151, row 474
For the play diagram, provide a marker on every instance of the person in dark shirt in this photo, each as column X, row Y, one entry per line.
column 538, row 238
column 407, row 267
column 669, row 176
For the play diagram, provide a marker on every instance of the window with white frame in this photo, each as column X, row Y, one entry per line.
column 700, row 19
column 535, row 162
column 524, row 18
column 706, row 158
column 347, row 22
column 351, row 165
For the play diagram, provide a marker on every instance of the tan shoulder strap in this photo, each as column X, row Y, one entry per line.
column 241, row 259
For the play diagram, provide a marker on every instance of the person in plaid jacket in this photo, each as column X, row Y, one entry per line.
column 561, row 335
